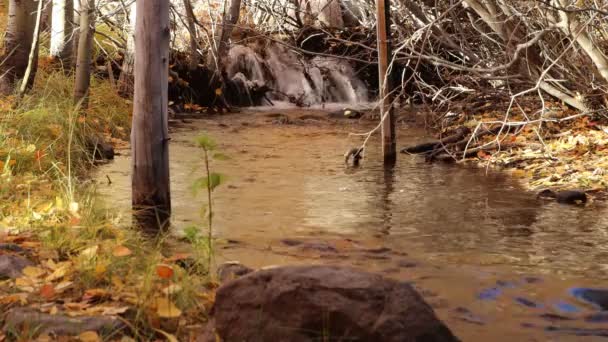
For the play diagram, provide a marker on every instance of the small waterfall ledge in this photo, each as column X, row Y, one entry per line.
column 285, row 76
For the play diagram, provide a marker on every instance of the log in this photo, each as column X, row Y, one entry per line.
column 459, row 134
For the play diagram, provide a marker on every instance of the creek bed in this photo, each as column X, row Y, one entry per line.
column 472, row 240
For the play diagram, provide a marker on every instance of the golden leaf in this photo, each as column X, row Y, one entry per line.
column 33, row 272
column 89, row 336
column 165, row 308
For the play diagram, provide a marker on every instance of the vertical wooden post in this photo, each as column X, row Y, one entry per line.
column 150, row 134
column 389, row 141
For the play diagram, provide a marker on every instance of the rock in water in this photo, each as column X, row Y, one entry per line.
column 308, row 303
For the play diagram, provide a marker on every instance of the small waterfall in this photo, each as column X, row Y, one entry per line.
column 293, row 78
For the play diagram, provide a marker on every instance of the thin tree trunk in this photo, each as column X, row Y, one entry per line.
column 230, row 19
column 149, row 133
column 125, row 80
column 85, row 46
column 76, row 28
column 17, row 44
column 62, row 32
column 30, row 72
column 193, row 62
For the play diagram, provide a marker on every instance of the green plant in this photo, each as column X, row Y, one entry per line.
column 210, row 181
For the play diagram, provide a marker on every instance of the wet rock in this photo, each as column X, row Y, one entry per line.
column 601, row 317
column 564, row 197
column 565, row 307
column 33, row 321
column 406, row 264
column 596, row 297
column 232, row 270
column 578, row 331
column 379, row 250
column 555, row 317
column 100, row 148
column 532, row 280
column 291, row 242
column 305, row 303
column 12, row 265
column 526, row 302
column 466, row 315
column 489, row 294
column 323, row 247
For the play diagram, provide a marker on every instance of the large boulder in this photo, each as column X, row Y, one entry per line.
column 309, row 303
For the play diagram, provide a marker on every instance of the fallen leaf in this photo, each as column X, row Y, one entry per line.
column 121, row 251
column 47, row 291
column 90, row 252
column 33, row 272
column 166, row 309
column 164, row 271
column 89, row 336
column 172, row 289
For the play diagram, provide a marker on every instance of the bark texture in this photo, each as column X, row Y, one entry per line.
column 150, row 134
column 17, row 44
column 85, row 47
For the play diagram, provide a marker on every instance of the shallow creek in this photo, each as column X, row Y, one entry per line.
column 495, row 263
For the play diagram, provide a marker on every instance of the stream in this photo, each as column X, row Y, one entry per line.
column 495, row 263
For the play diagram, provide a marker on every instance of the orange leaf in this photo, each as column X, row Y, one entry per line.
column 121, row 251
column 47, row 291
column 164, row 271
column 483, row 155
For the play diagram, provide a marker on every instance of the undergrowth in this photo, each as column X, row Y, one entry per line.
column 86, row 263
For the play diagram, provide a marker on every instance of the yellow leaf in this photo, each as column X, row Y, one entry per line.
column 33, row 272
column 100, row 270
column 172, row 289
column 89, row 336
column 166, row 309
column 58, row 273
column 218, row 91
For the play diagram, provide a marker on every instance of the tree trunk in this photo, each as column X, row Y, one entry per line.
column 85, row 47
column 62, row 31
column 32, row 60
column 76, row 34
column 230, row 19
column 150, row 134
column 125, row 80
column 193, row 62
column 17, row 44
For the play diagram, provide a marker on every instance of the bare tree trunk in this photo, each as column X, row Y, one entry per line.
column 150, row 134
column 76, row 33
column 229, row 21
column 85, row 47
column 17, row 44
column 125, row 80
column 32, row 61
column 62, row 32
column 193, row 62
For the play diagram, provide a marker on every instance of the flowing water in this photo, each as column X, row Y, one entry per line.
column 495, row 263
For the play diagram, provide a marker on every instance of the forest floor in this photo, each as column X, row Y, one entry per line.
column 63, row 257
column 564, row 150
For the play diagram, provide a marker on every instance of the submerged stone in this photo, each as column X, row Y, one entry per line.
column 596, row 297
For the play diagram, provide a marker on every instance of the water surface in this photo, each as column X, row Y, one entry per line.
column 470, row 238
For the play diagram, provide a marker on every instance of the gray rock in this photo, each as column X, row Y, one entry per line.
column 307, row 303
column 12, row 265
column 231, row 270
column 26, row 319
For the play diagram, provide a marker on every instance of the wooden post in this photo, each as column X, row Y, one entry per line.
column 389, row 141
column 150, row 133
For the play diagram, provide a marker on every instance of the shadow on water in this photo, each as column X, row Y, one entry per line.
column 459, row 232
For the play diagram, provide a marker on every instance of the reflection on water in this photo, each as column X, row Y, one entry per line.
column 290, row 181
